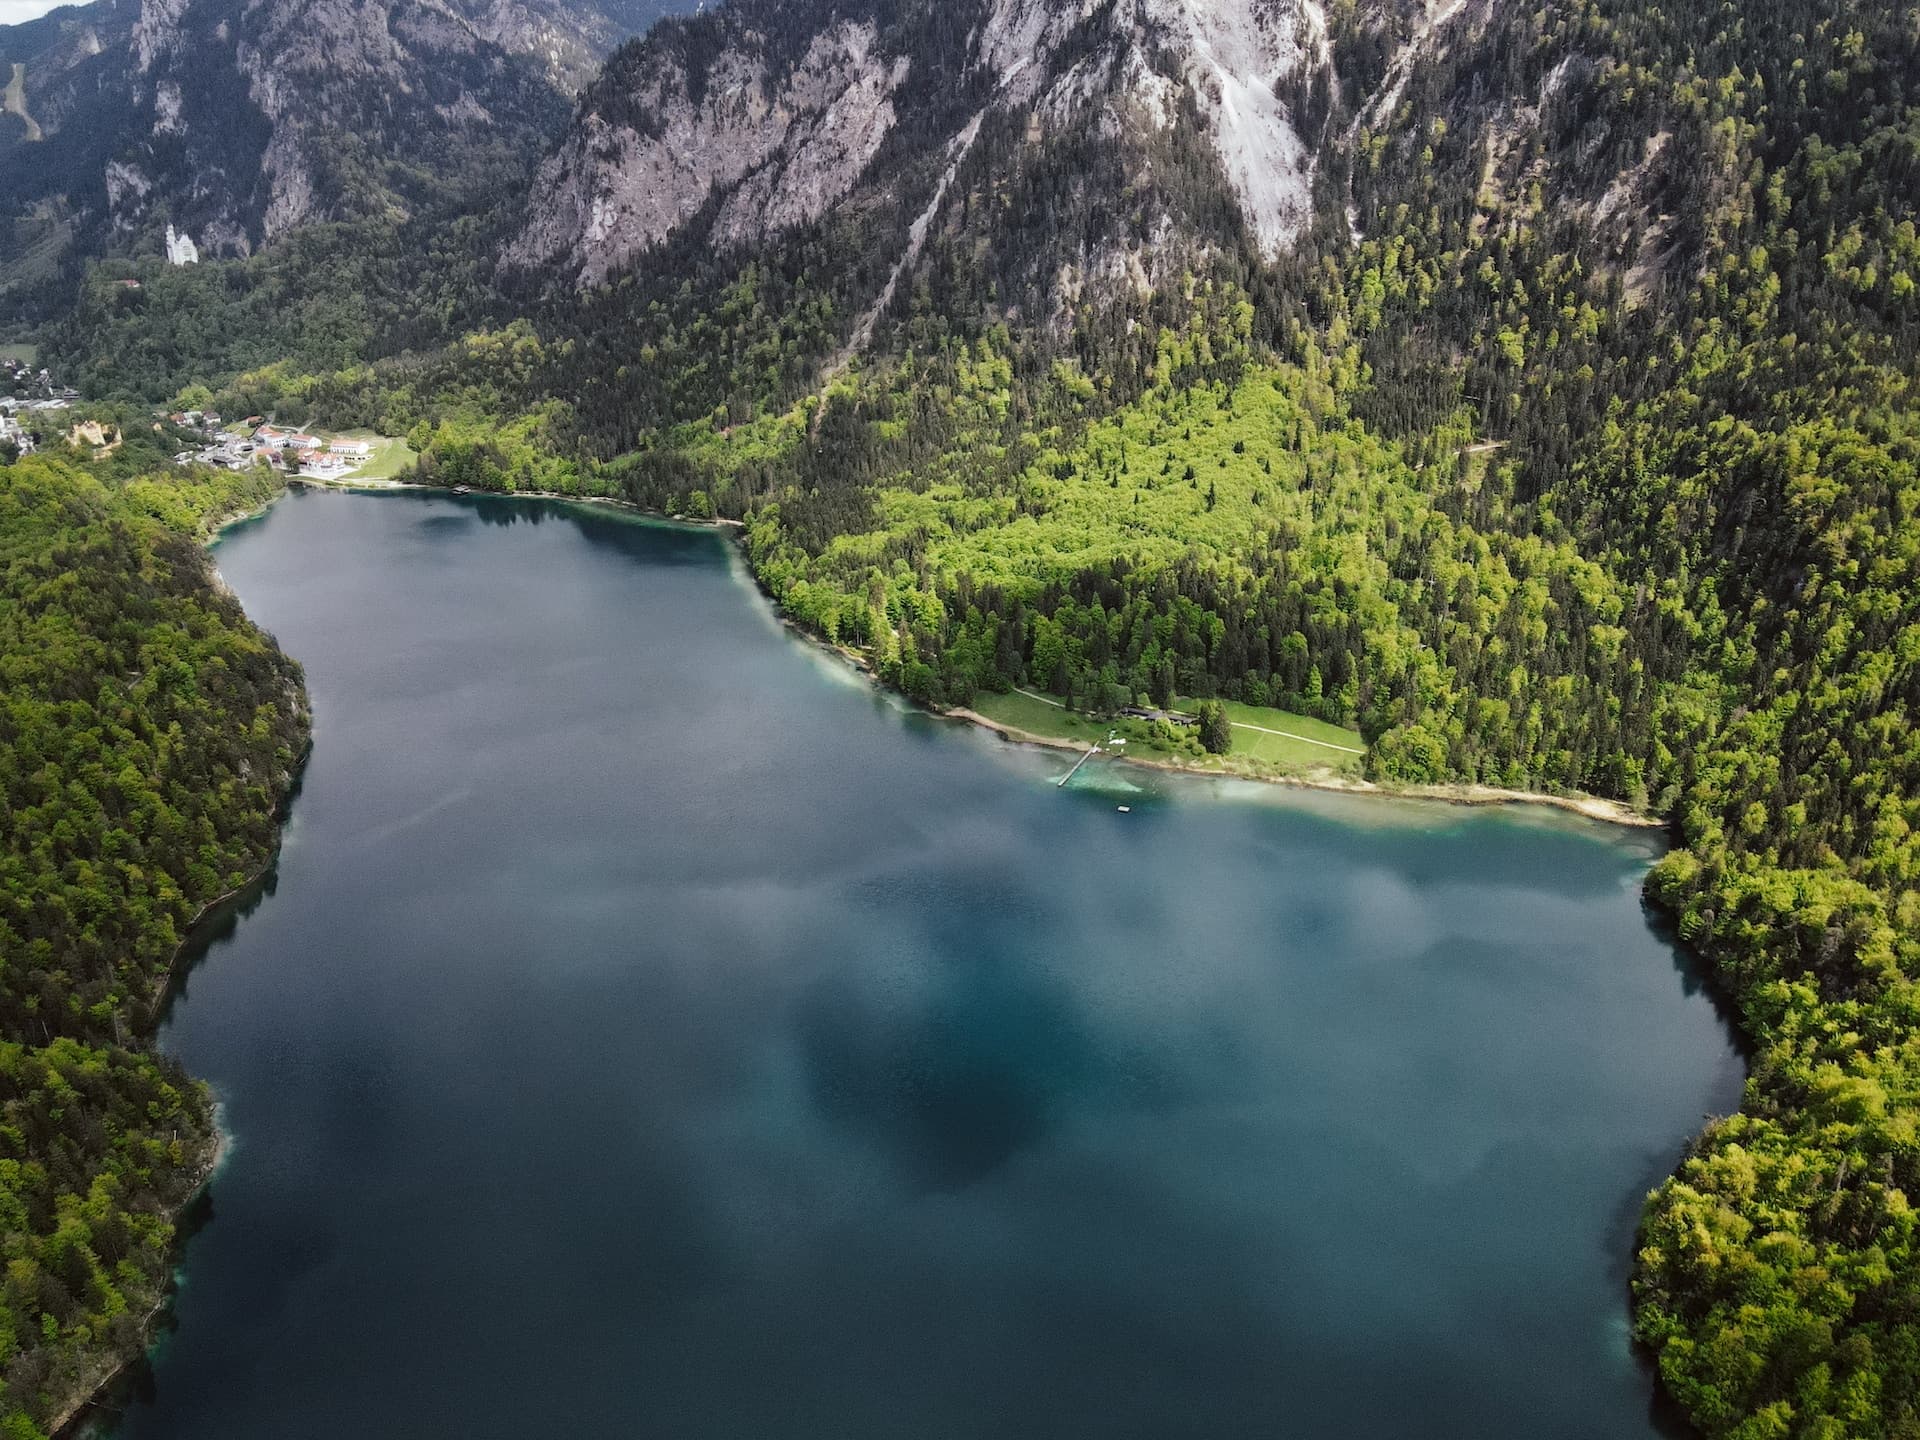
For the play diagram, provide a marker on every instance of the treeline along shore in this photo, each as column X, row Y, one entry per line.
column 149, row 736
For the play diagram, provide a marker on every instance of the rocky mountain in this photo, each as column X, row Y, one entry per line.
column 766, row 116
column 1090, row 148
column 239, row 120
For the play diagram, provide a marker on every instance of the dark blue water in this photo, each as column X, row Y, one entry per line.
column 651, row 1033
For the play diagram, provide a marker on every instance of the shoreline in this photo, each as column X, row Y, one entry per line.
column 73, row 1421
column 196, row 930
column 718, row 523
column 1591, row 807
column 1471, row 795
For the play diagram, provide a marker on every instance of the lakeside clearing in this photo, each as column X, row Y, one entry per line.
column 1262, row 736
column 391, row 458
column 1308, row 757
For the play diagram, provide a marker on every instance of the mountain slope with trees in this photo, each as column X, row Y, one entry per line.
column 1623, row 322
column 243, row 123
column 1566, row 441
column 148, row 735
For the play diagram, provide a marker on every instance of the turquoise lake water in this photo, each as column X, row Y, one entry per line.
column 651, row 1031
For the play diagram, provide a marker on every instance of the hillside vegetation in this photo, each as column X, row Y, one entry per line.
column 148, row 733
column 1583, row 457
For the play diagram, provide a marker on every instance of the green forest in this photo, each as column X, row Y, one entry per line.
column 148, row 736
column 1526, row 501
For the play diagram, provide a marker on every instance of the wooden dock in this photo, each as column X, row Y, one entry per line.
column 1076, row 766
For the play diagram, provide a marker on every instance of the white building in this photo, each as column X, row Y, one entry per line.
column 9, row 430
column 180, row 249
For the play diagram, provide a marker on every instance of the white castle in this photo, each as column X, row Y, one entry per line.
column 181, row 250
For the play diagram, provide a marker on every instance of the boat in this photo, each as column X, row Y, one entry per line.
column 463, row 489
column 1126, row 809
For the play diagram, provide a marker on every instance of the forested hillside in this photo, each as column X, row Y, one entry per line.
column 1570, row 445
column 148, row 734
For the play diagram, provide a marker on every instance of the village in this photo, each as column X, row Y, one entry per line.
column 256, row 442
column 26, row 391
column 29, row 396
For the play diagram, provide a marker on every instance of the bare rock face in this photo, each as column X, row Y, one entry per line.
column 1234, row 56
column 158, row 32
column 1219, row 68
column 243, row 119
column 641, row 163
column 249, row 118
column 825, row 152
column 736, row 127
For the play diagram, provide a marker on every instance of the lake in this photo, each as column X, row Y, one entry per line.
column 651, row 1031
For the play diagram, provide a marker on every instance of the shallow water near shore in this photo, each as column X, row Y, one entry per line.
column 647, row 1033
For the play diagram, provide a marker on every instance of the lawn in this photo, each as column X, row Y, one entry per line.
column 388, row 459
column 24, row 353
column 1021, row 711
column 1295, row 749
column 1306, row 744
column 390, row 456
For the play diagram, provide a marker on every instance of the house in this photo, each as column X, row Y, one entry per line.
column 323, row 467
column 355, row 450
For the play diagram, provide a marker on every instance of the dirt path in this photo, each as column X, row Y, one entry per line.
column 1289, row 735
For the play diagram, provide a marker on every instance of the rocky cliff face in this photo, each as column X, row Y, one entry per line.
column 249, row 120
column 768, row 116
column 65, row 61
column 242, row 119
column 782, row 144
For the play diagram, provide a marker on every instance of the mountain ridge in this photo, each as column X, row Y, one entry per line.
column 609, row 193
column 240, row 122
